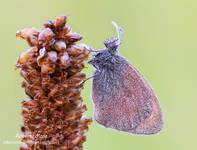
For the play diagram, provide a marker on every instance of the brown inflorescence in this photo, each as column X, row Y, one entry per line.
column 53, row 113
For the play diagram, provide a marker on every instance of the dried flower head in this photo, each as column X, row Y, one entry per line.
column 53, row 115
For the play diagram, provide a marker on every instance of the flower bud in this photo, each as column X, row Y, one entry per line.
column 45, row 35
column 60, row 21
column 27, row 32
column 52, row 55
column 60, row 46
column 73, row 37
column 65, row 62
column 24, row 56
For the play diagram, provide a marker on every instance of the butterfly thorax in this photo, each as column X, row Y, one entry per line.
column 105, row 60
column 107, row 75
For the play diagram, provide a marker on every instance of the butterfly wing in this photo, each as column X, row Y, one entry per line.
column 152, row 124
column 123, row 100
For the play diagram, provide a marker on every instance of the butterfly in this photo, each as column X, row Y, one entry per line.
column 123, row 100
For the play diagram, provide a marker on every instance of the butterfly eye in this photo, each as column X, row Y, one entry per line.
column 98, row 55
column 97, row 61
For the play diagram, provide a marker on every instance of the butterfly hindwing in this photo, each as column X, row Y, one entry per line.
column 124, row 100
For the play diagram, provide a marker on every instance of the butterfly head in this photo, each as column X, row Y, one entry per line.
column 101, row 59
column 112, row 44
column 106, row 58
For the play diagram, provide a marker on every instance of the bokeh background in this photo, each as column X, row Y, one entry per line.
column 160, row 39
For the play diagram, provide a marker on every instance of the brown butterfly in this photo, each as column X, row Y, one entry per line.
column 123, row 99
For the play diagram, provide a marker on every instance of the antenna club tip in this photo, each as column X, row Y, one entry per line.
column 118, row 28
column 115, row 24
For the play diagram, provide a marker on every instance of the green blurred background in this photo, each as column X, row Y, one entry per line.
column 160, row 39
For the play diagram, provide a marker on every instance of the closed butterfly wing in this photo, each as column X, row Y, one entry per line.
column 123, row 100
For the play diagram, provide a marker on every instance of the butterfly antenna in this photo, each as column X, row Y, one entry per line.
column 119, row 30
